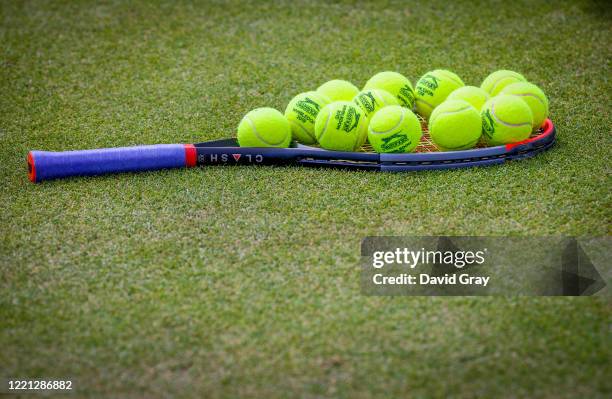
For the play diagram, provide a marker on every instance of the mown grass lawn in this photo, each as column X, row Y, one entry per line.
column 226, row 282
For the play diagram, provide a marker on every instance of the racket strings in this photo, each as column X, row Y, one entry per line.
column 427, row 145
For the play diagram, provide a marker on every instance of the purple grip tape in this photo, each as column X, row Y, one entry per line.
column 45, row 165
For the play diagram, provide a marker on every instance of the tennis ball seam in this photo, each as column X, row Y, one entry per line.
column 303, row 129
column 448, row 76
column 469, row 145
column 506, row 123
column 401, row 120
column 324, row 127
column 258, row 135
column 432, row 121
column 426, row 103
column 385, row 104
column 529, row 95
column 498, row 81
column 479, row 95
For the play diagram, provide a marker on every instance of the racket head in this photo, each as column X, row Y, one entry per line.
column 426, row 155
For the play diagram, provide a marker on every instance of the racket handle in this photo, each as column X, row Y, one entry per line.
column 46, row 165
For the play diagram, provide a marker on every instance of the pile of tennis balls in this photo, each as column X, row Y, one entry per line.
column 506, row 108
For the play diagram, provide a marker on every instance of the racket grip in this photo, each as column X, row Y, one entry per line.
column 46, row 165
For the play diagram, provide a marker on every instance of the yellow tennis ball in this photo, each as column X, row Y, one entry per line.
column 394, row 129
column 340, row 126
column 433, row 88
column 338, row 90
column 473, row 95
column 264, row 127
column 455, row 125
column 506, row 119
column 396, row 84
column 371, row 100
column 301, row 113
column 534, row 97
column 495, row 82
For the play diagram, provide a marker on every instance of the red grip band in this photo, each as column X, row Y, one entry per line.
column 190, row 155
column 31, row 168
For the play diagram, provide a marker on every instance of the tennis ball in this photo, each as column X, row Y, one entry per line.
column 433, row 88
column 371, row 100
column 264, row 127
column 394, row 129
column 396, row 84
column 338, row 90
column 473, row 95
column 506, row 119
column 341, row 126
column 495, row 82
column 301, row 113
column 534, row 97
column 455, row 125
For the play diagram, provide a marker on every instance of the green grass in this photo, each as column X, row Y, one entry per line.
column 243, row 281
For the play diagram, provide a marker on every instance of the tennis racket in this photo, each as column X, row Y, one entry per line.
column 46, row 165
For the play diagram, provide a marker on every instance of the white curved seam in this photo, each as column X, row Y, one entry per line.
column 502, row 78
column 303, row 129
column 385, row 103
column 451, row 78
column 470, row 144
column 324, row 127
column 394, row 127
column 426, row 103
column 431, row 121
column 530, row 95
column 257, row 133
column 506, row 123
